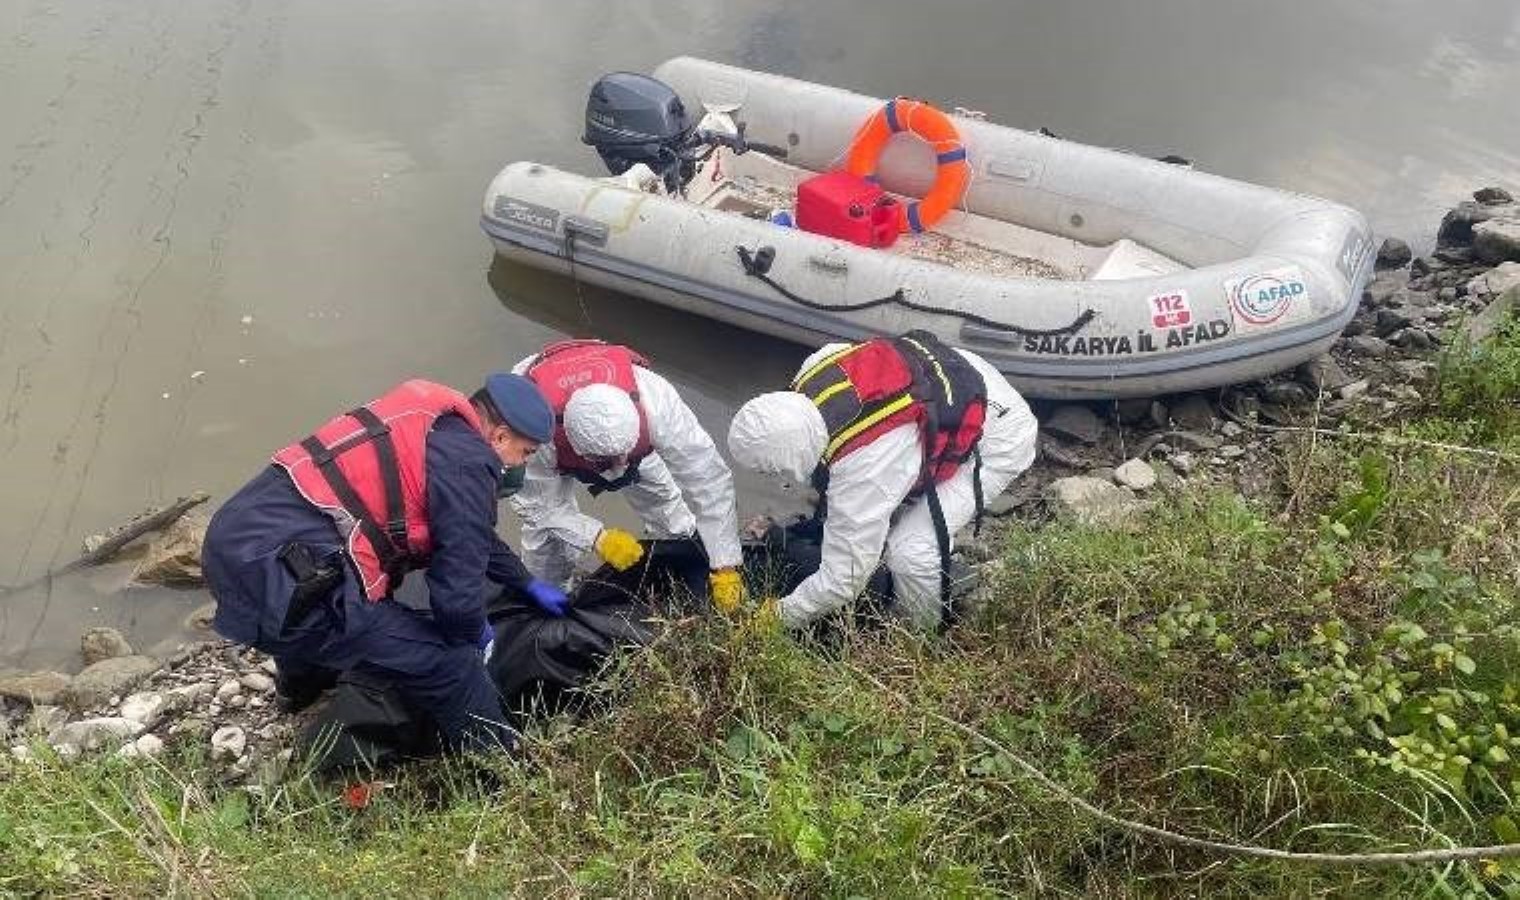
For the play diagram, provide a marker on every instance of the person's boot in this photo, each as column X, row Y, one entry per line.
column 298, row 686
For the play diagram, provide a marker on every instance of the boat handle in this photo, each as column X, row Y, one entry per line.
column 586, row 229
column 831, row 264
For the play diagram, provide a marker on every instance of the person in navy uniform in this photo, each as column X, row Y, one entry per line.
column 304, row 560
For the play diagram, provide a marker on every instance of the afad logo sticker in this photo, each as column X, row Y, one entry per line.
column 1270, row 297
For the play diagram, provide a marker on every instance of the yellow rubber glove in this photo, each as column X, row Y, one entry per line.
column 620, row 549
column 727, row 590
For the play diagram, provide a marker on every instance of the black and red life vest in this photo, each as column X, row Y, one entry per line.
column 367, row 470
column 563, row 368
column 868, row 389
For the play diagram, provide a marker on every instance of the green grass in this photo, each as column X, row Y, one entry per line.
column 1331, row 668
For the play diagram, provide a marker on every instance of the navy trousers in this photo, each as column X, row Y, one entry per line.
column 344, row 630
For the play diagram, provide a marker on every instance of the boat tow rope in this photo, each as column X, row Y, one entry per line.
column 1440, row 856
column 757, row 264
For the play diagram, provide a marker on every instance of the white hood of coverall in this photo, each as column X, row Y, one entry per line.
column 601, row 421
column 780, row 433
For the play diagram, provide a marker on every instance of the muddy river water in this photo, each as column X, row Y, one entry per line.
column 222, row 221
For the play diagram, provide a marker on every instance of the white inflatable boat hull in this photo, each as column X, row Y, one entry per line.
column 1180, row 280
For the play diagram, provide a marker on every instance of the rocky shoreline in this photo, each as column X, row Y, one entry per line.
column 1100, row 463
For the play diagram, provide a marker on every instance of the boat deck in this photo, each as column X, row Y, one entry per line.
column 756, row 185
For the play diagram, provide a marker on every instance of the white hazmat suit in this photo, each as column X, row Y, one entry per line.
column 684, row 468
column 784, row 434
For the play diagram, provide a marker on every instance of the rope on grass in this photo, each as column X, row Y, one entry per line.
column 1389, row 439
column 1412, row 857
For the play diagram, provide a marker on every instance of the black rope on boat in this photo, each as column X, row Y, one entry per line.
column 757, row 264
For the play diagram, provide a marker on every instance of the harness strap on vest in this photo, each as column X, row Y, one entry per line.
column 390, row 473
column 597, row 485
column 942, row 539
column 937, row 512
column 378, row 537
column 976, row 492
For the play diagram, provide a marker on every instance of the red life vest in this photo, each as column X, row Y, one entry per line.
column 366, row 469
column 866, row 390
column 565, row 367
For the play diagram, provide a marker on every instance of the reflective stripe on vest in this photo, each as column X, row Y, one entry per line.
column 861, row 391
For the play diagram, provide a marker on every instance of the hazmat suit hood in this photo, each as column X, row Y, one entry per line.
column 601, row 422
column 780, row 433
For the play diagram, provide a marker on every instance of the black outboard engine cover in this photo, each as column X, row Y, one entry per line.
column 632, row 118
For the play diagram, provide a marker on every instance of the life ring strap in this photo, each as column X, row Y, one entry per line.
column 931, row 126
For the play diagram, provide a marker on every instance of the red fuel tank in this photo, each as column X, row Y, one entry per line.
column 849, row 207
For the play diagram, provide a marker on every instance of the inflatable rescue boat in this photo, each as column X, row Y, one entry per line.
column 817, row 214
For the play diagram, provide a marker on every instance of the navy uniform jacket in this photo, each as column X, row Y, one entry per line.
column 253, row 588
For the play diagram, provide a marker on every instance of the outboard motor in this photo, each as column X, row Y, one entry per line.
column 632, row 118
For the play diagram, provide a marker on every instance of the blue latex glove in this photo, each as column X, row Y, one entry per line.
column 486, row 641
column 549, row 598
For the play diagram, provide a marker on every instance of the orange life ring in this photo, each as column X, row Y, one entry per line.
column 935, row 129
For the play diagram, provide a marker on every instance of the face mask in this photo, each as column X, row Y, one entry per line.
column 510, row 480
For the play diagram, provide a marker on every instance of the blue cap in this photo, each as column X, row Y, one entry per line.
column 522, row 406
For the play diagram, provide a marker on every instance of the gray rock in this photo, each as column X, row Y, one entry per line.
column 1231, row 452
column 1393, row 254
column 1361, row 323
column 1495, row 281
column 1457, row 226
column 1193, row 412
column 1412, row 339
column 1193, row 440
column 147, row 746
column 1498, row 240
column 200, row 618
column 270, row 667
column 1091, row 501
column 1075, row 423
column 1456, row 256
column 257, row 682
column 92, row 734
column 45, row 718
column 1411, row 370
column 1386, row 288
column 228, row 742
column 1485, row 323
column 1136, row 474
column 1106, row 473
column 1285, row 393
column 1323, row 374
column 1367, row 345
column 174, row 555
column 1231, row 430
column 1352, row 390
column 229, row 689
column 1182, row 463
column 144, row 707
column 1424, row 265
column 1389, row 321
column 187, row 696
column 1003, row 504
column 103, row 643
column 1492, row 196
column 109, row 677
column 36, row 688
